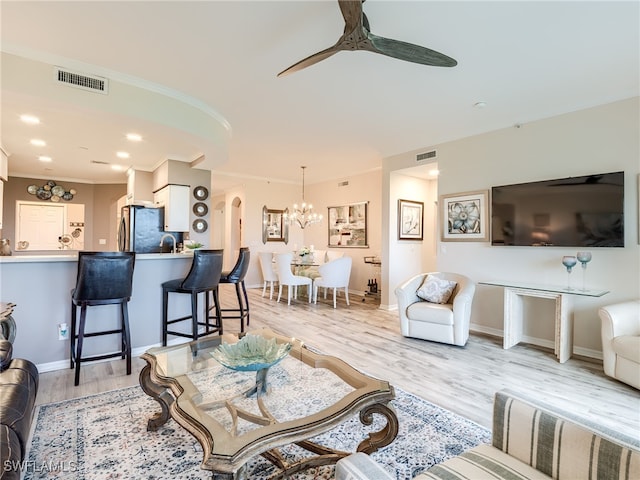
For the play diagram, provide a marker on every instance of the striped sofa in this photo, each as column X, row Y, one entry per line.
column 529, row 441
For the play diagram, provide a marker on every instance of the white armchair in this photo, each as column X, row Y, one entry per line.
column 334, row 274
column 445, row 323
column 621, row 341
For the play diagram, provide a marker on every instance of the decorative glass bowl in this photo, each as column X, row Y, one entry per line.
column 251, row 353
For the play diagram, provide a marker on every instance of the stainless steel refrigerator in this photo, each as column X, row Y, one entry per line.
column 141, row 229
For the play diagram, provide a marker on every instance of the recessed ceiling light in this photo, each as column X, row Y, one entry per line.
column 37, row 142
column 30, row 119
column 44, row 158
column 134, row 137
column 480, row 104
column 434, row 173
column 122, row 154
column 117, row 168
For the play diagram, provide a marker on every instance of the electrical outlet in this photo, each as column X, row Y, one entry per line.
column 63, row 331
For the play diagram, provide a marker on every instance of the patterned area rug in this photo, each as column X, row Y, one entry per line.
column 104, row 437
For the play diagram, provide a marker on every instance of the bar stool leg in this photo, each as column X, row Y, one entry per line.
column 83, row 318
column 246, row 301
column 240, row 307
column 194, row 315
column 165, row 325
column 126, row 336
column 216, row 301
column 72, row 337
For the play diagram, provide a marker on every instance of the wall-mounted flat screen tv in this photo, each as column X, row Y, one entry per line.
column 585, row 211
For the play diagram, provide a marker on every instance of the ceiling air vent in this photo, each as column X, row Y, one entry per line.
column 82, row 81
column 426, row 155
column 343, row 184
column 99, row 162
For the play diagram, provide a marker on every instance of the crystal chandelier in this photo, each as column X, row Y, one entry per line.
column 302, row 215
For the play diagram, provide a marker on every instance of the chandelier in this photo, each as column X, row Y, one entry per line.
column 302, row 215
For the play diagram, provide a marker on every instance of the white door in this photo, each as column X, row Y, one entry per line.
column 40, row 225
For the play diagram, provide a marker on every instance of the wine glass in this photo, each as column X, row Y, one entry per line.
column 584, row 258
column 569, row 261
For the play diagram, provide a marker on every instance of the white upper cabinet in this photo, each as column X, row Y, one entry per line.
column 175, row 200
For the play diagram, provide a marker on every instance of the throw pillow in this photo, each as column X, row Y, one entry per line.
column 436, row 290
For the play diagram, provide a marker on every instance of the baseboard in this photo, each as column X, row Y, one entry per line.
column 135, row 352
column 541, row 342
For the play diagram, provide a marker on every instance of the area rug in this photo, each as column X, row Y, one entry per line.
column 104, row 436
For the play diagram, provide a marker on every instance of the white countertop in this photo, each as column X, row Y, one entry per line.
column 73, row 257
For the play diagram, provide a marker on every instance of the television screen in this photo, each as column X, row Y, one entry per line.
column 567, row 212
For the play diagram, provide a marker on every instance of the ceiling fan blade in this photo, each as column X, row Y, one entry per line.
column 310, row 60
column 352, row 14
column 409, row 52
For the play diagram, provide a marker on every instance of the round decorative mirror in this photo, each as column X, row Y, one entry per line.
column 200, row 226
column 200, row 193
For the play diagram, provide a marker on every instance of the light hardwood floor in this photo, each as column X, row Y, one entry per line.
column 461, row 379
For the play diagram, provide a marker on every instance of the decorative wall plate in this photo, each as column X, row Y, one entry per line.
column 200, row 193
column 32, row 189
column 43, row 194
column 200, row 209
column 58, row 190
column 200, row 226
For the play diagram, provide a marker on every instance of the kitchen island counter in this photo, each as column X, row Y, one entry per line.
column 71, row 256
column 40, row 287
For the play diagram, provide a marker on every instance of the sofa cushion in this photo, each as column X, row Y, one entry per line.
column 436, row 290
column 19, row 385
column 10, row 454
column 627, row 346
column 560, row 444
column 430, row 312
column 482, row 462
column 358, row 466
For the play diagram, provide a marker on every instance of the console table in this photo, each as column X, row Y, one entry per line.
column 514, row 318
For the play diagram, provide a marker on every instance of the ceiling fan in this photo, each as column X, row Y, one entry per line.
column 357, row 36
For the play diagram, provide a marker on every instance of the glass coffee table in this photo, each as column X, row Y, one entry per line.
column 235, row 416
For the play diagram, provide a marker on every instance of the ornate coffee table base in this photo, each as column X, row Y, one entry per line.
column 323, row 455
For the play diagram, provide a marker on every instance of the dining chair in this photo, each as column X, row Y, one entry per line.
column 103, row 278
column 286, row 277
column 334, row 274
column 333, row 254
column 203, row 277
column 269, row 274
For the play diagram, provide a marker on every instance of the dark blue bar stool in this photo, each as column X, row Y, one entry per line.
column 203, row 277
column 104, row 278
column 236, row 276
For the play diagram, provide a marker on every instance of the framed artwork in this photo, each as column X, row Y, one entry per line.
column 274, row 228
column 348, row 225
column 465, row 217
column 410, row 220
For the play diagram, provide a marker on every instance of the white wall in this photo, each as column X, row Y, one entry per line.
column 361, row 188
column 411, row 257
column 595, row 140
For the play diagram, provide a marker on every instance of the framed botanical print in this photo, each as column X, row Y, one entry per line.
column 410, row 220
column 348, row 225
column 465, row 217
